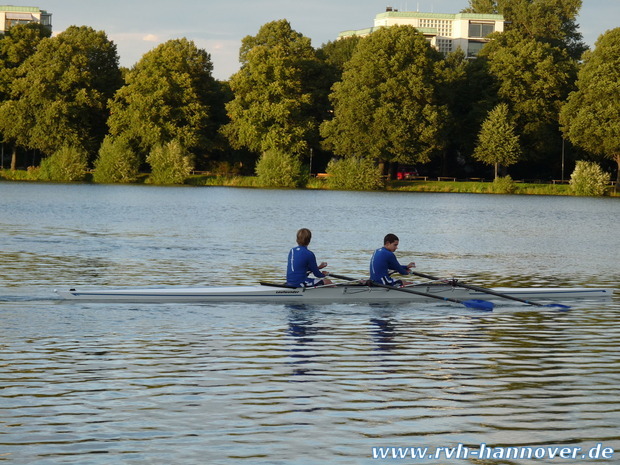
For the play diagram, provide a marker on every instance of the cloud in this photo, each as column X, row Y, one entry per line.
column 150, row 38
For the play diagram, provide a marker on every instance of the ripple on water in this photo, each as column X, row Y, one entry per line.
column 272, row 384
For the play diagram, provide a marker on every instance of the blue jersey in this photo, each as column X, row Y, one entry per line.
column 382, row 262
column 300, row 262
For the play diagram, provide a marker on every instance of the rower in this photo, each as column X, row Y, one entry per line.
column 384, row 260
column 302, row 261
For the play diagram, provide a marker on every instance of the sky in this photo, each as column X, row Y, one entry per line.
column 219, row 26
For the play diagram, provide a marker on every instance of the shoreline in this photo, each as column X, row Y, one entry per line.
column 444, row 186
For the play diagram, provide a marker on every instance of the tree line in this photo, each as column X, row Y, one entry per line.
column 533, row 99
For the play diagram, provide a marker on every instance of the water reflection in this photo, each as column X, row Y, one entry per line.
column 302, row 329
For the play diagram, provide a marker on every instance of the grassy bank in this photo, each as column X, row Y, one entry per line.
column 469, row 187
column 520, row 188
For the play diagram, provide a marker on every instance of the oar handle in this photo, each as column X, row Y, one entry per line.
column 346, row 278
column 424, row 275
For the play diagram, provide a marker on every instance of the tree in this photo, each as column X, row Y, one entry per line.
column 464, row 92
column 386, row 105
column 591, row 114
column 275, row 92
column 534, row 78
column 337, row 53
column 60, row 93
column 498, row 143
column 169, row 94
column 486, row 7
column 16, row 46
column 550, row 21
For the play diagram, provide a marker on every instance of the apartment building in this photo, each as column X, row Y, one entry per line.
column 445, row 32
column 13, row 15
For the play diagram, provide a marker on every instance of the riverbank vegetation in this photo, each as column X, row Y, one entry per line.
column 498, row 186
column 533, row 104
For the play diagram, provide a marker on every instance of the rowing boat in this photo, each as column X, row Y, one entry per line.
column 345, row 293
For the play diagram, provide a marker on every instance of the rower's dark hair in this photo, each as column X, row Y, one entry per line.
column 304, row 236
column 390, row 238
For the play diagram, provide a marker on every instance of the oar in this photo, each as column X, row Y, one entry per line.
column 474, row 303
column 489, row 291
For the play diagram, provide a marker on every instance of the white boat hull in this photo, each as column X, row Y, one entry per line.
column 326, row 294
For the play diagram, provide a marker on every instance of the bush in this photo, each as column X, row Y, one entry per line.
column 280, row 169
column 353, row 173
column 117, row 162
column 31, row 174
column 65, row 165
column 169, row 164
column 504, row 185
column 589, row 179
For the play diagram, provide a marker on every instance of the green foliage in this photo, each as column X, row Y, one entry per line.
column 169, row 94
column 170, row 164
column 521, row 188
column 534, row 78
column 591, row 114
column 487, row 7
column 352, row 173
column 276, row 168
column 336, row 54
column 117, row 162
column 498, row 143
column 386, row 106
column 30, row 174
column 60, row 93
column 67, row 164
column 224, row 168
column 275, row 93
column 504, row 185
column 589, row 179
column 16, row 46
column 464, row 89
column 550, row 21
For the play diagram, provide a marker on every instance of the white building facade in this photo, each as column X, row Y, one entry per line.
column 445, row 32
column 13, row 15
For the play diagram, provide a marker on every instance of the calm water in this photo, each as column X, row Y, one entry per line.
column 87, row 383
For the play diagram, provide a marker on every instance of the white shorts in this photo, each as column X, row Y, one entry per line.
column 391, row 282
column 312, row 282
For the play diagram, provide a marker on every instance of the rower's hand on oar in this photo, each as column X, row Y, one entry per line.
column 322, row 265
column 411, row 265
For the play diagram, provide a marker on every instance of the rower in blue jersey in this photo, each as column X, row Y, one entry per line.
column 383, row 261
column 302, row 261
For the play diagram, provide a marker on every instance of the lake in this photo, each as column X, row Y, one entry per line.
column 101, row 383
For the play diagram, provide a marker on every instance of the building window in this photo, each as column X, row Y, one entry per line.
column 473, row 47
column 480, row 29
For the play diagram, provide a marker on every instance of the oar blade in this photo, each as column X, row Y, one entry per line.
column 479, row 304
column 566, row 307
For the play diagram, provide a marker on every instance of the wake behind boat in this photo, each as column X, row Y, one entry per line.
column 340, row 293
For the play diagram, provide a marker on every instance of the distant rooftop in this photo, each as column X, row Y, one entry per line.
column 31, row 9
column 417, row 14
